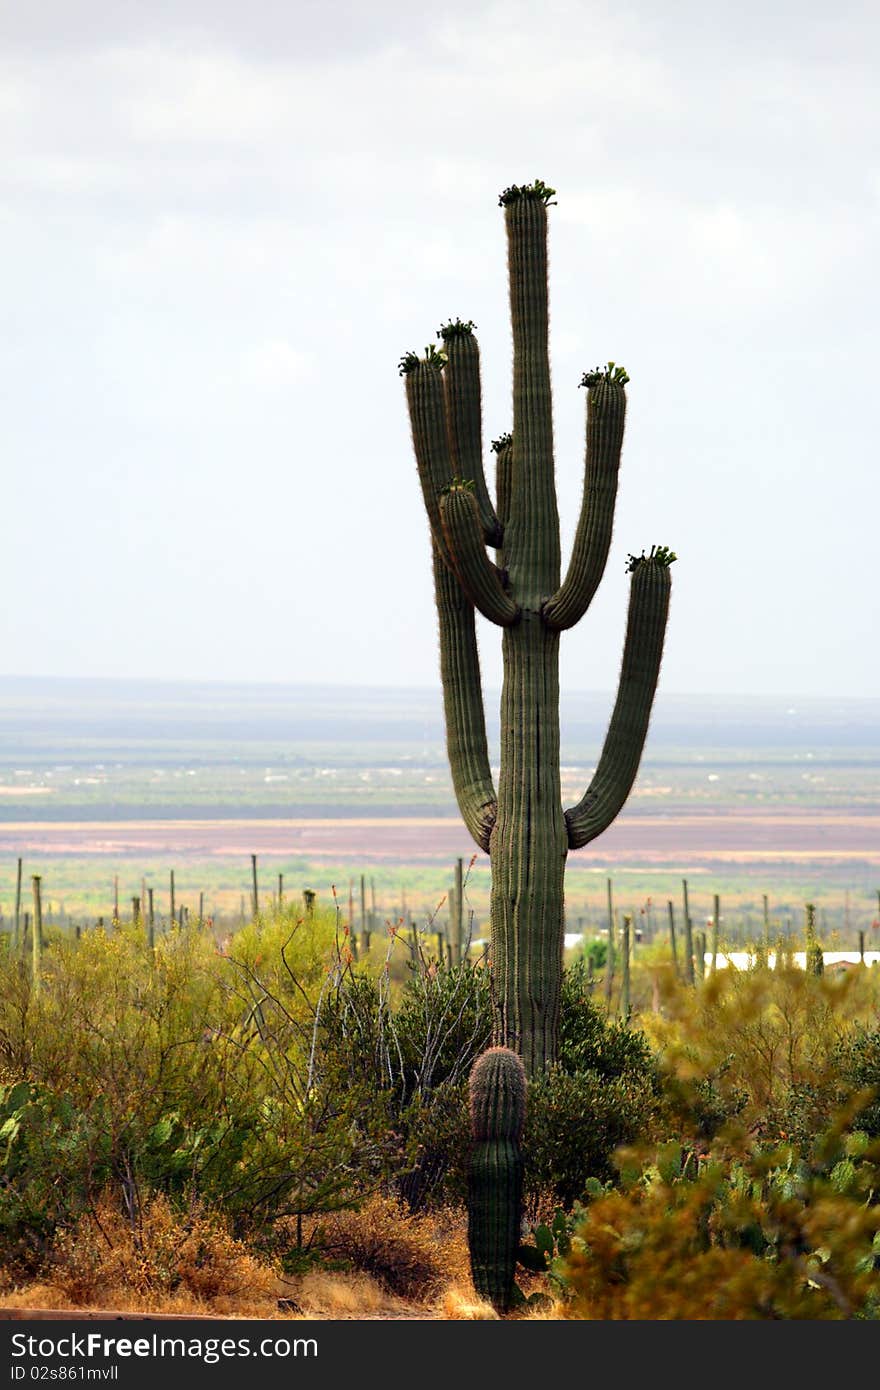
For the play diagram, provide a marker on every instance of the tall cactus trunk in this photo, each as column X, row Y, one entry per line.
column 528, row 849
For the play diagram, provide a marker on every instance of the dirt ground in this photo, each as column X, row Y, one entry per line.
column 738, row 837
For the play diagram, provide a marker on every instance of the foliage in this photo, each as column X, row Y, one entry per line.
column 161, row 1253
column 596, row 954
column 590, row 1041
column 282, row 1081
column 766, row 1233
column 574, row 1124
column 383, row 1239
column 855, row 1059
column 759, row 1034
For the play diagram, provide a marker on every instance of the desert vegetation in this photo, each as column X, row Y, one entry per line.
column 271, row 1126
column 657, row 1128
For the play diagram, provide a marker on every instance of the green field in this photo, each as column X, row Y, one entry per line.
column 83, row 752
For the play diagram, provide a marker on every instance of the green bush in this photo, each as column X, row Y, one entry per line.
column 574, row 1124
column 590, row 1041
column 856, row 1060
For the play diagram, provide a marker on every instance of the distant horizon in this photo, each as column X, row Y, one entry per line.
column 426, row 687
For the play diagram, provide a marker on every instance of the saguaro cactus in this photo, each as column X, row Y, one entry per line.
column 814, row 958
column 497, row 1086
column 523, row 826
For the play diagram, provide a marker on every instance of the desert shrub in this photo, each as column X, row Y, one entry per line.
column 383, row 1239
column 288, row 953
column 443, row 1022
column 763, row 1234
column 54, row 1157
column 856, row 1060
column 438, row 1139
column 596, row 954
column 409, row 1060
column 762, row 1036
column 574, row 1124
column 176, row 1071
column 590, row 1041
column 164, row 1251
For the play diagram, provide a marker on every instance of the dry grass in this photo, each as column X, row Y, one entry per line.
column 400, row 1267
column 411, row 1257
column 324, row 1295
column 463, row 1305
column 163, row 1262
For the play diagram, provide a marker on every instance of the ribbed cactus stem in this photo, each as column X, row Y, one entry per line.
column 475, row 572
column 528, row 847
column 503, row 449
column 37, row 937
column 461, row 380
column 625, row 951
column 640, row 668
column 815, row 960
column 497, row 1102
column 466, row 745
column 672, row 943
column 606, row 412
column 531, row 533
column 427, row 413
column 497, row 1093
column 716, row 929
column 688, row 936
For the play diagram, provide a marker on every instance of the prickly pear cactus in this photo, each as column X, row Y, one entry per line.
column 498, row 1107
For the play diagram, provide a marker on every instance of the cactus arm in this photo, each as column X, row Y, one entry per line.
column 479, row 578
column 427, row 414
column 531, row 533
column 466, row 743
column 622, row 751
column 606, row 411
column 503, row 451
column 461, row 381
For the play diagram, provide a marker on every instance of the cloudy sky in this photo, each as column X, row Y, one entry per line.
column 222, row 224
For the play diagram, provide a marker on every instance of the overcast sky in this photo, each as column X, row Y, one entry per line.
column 223, row 223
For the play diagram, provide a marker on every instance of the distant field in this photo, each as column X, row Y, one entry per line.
column 737, row 837
column 102, row 779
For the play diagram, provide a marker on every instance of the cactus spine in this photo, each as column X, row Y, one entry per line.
column 497, row 1087
column 523, row 826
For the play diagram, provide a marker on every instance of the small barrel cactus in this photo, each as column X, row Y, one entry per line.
column 498, row 1107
